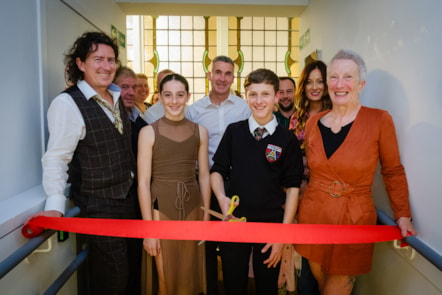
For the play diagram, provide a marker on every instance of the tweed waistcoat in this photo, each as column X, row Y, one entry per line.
column 103, row 165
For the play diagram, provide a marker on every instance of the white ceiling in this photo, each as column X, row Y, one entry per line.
column 280, row 8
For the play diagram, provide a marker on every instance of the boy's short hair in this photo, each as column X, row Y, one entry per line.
column 265, row 76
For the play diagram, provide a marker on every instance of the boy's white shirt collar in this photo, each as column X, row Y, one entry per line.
column 270, row 126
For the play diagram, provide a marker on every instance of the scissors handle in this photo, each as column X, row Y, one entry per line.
column 234, row 202
column 234, row 219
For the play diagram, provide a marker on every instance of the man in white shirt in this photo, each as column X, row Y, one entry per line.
column 90, row 148
column 215, row 112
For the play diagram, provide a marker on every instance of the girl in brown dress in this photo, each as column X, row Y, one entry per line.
column 168, row 152
column 343, row 147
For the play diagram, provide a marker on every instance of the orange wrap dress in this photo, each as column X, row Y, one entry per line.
column 340, row 187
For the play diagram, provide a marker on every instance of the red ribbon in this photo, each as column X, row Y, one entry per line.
column 248, row 232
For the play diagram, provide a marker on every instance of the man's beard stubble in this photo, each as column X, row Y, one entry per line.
column 286, row 109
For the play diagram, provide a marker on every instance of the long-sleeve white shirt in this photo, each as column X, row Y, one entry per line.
column 153, row 113
column 216, row 118
column 66, row 128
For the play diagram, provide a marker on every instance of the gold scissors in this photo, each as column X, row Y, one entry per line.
column 234, row 202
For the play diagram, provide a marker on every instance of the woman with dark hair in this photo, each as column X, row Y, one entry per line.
column 311, row 97
column 168, row 151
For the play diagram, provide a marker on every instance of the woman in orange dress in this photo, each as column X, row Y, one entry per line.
column 343, row 148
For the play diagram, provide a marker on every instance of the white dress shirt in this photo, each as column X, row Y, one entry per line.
column 153, row 113
column 216, row 118
column 66, row 128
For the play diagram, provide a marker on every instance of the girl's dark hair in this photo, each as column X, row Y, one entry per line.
column 82, row 47
column 176, row 77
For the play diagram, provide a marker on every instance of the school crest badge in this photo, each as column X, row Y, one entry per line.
column 273, row 152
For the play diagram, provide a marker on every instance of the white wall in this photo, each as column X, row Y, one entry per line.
column 401, row 43
column 20, row 112
column 36, row 36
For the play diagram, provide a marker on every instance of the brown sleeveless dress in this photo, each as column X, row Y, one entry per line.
column 176, row 193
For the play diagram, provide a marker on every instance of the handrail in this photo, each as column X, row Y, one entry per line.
column 21, row 253
column 432, row 256
column 15, row 258
column 66, row 274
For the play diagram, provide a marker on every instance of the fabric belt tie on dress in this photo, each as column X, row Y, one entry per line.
column 336, row 188
column 182, row 193
column 182, row 196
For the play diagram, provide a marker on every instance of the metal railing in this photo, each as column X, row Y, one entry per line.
column 66, row 274
column 24, row 251
column 414, row 242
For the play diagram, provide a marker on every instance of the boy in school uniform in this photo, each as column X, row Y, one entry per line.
column 263, row 162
